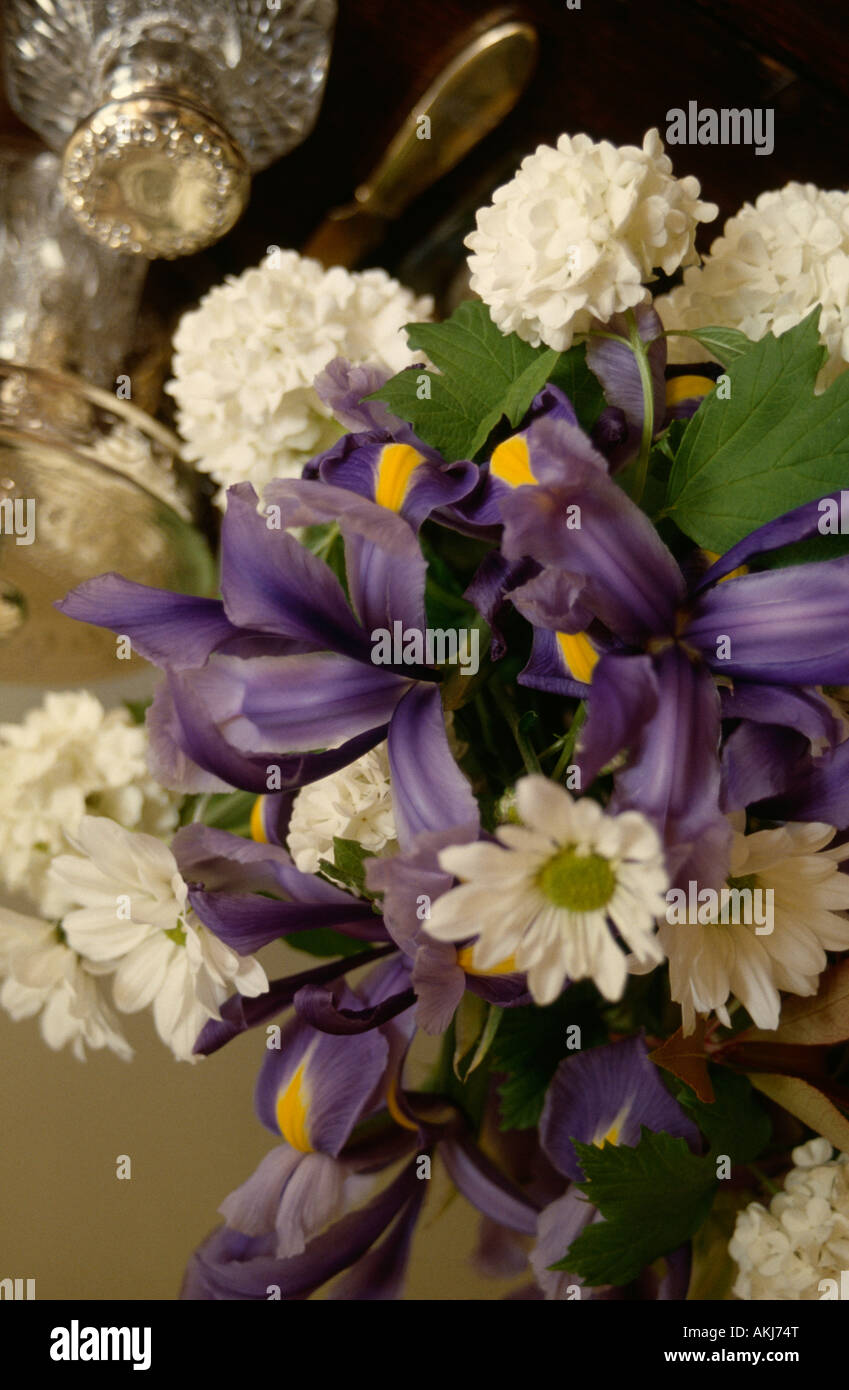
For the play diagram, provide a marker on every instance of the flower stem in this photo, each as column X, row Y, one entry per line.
column 640, row 351
column 569, row 742
column 528, row 752
column 601, row 333
column 765, row 1182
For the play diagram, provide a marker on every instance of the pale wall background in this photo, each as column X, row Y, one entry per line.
column 67, row 1221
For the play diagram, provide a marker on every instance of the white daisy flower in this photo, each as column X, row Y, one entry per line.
column 577, row 233
column 67, row 758
column 354, row 803
column 708, row 963
column 550, row 898
column 134, row 922
column 785, row 1251
column 774, row 262
column 44, row 976
column 246, row 359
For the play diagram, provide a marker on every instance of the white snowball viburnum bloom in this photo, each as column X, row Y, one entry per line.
column 246, row 359
column 354, row 803
column 708, row 963
column 67, row 758
column 549, row 896
column 578, row 231
column 785, row 1252
column 43, row 976
column 775, row 261
column 134, row 923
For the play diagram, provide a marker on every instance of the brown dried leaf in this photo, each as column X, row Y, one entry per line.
column 686, row 1059
column 821, row 1018
column 806, row 1103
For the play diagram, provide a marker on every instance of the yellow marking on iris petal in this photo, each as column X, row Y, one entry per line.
column 611, row 1137
column 393, row 1105
column 257, row 826
column 395, row 468
column 292, row 1108
column 684, row 388
column 511, row 462
column 507, row 966
column 579, row 654
column 711, row 556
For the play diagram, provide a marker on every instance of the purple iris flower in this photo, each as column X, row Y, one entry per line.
column 313, row 1088
column 382, row 458
column 618, row 430
column 251, row 895
column 602, row 1096
column 658, row 643
column 282, row 665
column 232, row 1266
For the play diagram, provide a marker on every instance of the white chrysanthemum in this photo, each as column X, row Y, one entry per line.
column 786, row 1251
column 549, row 900
column 67, row 758
column 774, row 262
column 246, row 358
column 134, row 923
column 710, row 963
column 44, row 976
column 354, row 803
column 576, row 234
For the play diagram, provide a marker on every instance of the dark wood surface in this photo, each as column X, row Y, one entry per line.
column 612, row 69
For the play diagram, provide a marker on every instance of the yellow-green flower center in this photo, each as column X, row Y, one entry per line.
column 178, row 935
column 577, row 882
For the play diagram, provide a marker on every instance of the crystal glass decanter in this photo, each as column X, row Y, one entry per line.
column 162, row 109
column 89, row 481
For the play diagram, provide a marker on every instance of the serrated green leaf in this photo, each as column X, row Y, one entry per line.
column 582, row 386
column 771, row 446
column 736, row 1123
column 350, row 857
column 652, row 1197
column 483, row 375
column 525, row 387
column 349, row 864
column 725, row 345
column 530, row 1043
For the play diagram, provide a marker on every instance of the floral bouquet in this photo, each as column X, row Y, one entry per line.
column 521, row 718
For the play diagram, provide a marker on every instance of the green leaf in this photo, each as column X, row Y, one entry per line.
column 229, row 811
column 349, row 864
column 670, row 441
column 582, row 386
column 475, row 1026
column 770, row 447
column 138, row 709
column 736, row 1123
column 483, row 374
column 323, row 941
column 652, row 1197
column 725, row 345
column 531, row 1041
